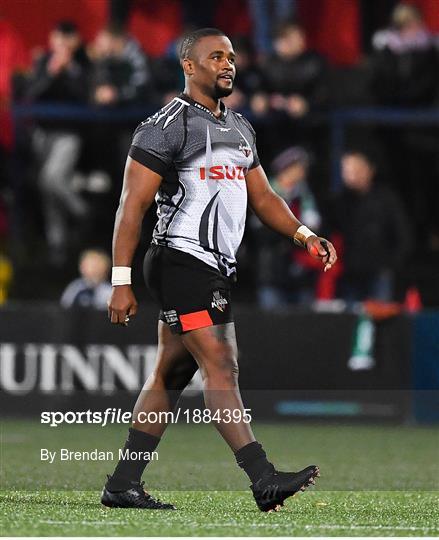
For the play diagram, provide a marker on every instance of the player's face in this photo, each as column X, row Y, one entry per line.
column 213, row 66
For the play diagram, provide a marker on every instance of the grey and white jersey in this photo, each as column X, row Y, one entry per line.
column 202, row 200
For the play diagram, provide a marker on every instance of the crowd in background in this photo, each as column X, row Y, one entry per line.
column 61, row 184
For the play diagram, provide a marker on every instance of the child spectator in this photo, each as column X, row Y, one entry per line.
column 92, row 289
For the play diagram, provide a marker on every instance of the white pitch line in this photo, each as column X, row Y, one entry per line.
column 374, row 527
column 53, row 522
column 270, row 525
column 331, row 527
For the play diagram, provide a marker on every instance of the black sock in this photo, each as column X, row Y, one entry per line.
column 253, row 459
column 129, row 471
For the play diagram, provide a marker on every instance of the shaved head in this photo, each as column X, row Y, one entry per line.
column 190, row 40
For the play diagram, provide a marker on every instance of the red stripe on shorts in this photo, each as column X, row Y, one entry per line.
column 197, row 319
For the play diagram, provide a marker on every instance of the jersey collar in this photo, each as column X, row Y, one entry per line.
column 191, row 101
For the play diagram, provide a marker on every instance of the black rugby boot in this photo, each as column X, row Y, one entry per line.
column 272, row 489
column 135, row 497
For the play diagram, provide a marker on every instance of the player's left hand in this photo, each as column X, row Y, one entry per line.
column 322, row 249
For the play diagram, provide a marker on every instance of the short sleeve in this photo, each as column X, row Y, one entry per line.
column 155, row 144
column 256, row 161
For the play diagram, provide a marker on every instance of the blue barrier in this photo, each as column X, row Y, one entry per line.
column 337, row 119
column 80, row 113
column 425, row 367
column 341, row 118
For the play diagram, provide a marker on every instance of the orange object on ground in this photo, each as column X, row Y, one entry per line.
column 379, row 310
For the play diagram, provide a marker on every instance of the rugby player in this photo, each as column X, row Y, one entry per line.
column 199, row 161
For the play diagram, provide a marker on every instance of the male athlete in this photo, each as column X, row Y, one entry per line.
column 199, row 161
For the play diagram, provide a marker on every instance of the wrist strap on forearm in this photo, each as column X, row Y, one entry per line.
column 121, row 275
column 302, row 235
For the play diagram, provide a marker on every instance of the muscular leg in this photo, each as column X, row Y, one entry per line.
column 215, row 350
column 173, row 371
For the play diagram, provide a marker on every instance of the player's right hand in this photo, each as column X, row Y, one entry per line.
column 322, row 249
column 122, row 305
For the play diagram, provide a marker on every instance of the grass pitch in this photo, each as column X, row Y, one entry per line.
column 376, row 481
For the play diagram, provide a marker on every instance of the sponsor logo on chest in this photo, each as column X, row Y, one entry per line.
column 223, row 172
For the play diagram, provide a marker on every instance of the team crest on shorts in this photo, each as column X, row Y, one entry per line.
column 218, row 301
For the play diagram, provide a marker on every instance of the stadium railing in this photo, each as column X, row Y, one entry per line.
column 337, row 119
column 340, row 119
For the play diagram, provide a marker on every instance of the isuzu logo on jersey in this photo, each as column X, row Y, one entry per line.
column 223, row 172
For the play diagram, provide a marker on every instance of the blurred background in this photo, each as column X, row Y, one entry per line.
column 344, row 98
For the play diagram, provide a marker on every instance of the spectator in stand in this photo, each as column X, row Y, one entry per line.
column 167, row 74
column 248, row 76
column 405, row 67
column 266, row 15
column 405, row 63
column 120, row 68
column 374, row 228
column 120, row 76
column 295, row 78
column 59, row 76
column 92, row 289
column 286, row 275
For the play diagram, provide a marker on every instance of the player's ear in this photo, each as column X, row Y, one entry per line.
column 188, row 66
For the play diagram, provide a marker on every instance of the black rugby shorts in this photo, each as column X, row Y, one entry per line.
column 191, row 294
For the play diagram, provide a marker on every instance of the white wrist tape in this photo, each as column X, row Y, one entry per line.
column 302, row 235
column 121, row 275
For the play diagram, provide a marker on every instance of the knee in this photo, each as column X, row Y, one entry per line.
column 175, row 378
column 223, row 368
column 230, row 374
column 180, row 375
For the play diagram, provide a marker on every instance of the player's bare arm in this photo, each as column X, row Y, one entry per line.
column 274, row 212
column 139, row 188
